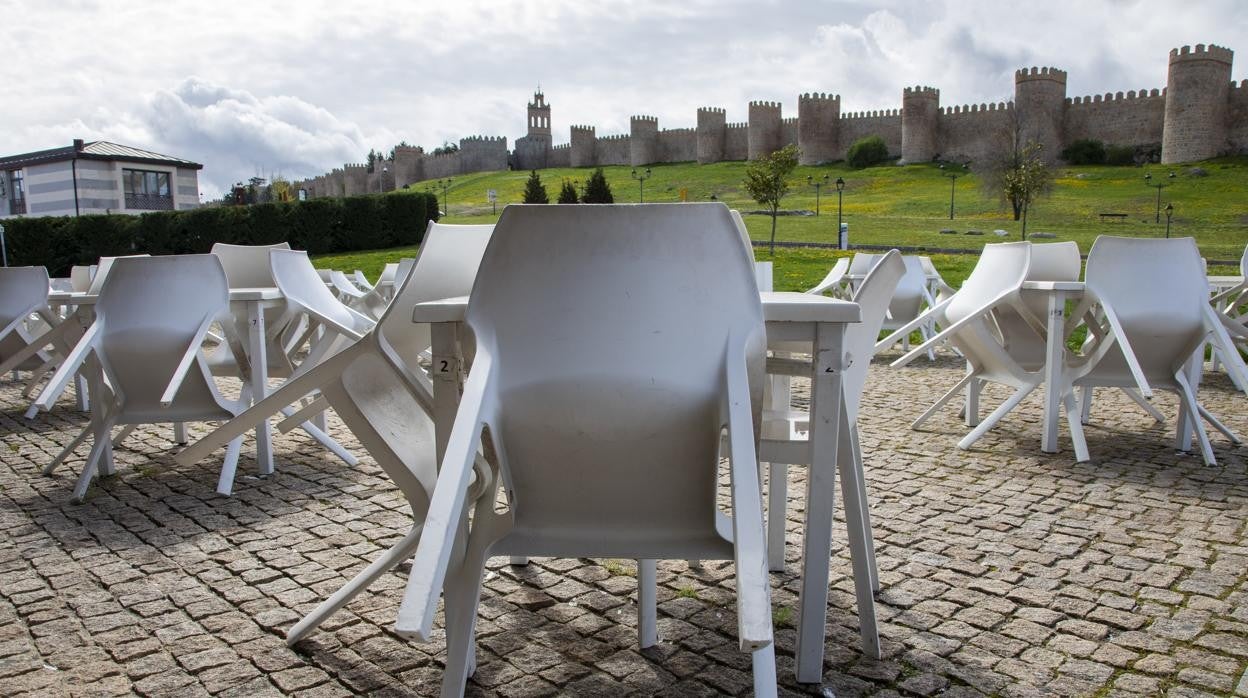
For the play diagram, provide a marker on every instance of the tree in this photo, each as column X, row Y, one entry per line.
column 866, row 152
column 597, row 191
column 766, row 179
column 446, row 148
column 534, row 191
column 1019, row 175
column 402, row 144
column 567, row 193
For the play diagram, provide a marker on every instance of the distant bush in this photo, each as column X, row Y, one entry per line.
column 866, row 152
column 1085, row 151
column 534, row 190
column 567, row 193
column 1119, row 155
column 318, row 226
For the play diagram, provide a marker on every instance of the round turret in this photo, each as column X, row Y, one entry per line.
column 712, row 123
column 765, row 129
column 817, row 117
column 920, row 109
column 1197, row 89
column 1040, row 101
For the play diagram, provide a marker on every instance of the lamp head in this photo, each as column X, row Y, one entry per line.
column 840, row 184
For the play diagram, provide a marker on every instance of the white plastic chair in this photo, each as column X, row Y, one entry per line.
column 614, row 343
column 247, row 266
column 150, row 321
column 360, row 280
column 378, row 389
column 1154, row 299
column 995, row 284
column 23, row 293
column 833, row 281
column 873, row 296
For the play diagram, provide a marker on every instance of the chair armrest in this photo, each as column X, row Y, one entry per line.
column 951, row 329
column 754, row 629
column 235, row 343
column 446, row 506
column 1127, row 352
column 188, row 357
column 1215, row 321
column 73, row 362
column 911, row 326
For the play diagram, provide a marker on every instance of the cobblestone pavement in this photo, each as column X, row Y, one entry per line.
column 1004, row 571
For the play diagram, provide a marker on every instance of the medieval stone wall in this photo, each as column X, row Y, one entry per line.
column 1201, row 113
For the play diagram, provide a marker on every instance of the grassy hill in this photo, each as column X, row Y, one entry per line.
column 909, row 205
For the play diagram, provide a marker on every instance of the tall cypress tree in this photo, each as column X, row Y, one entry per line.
column 567, row 194
column 534, row 191
column 597, row 191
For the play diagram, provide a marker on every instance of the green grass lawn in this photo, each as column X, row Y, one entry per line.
column 908, row 205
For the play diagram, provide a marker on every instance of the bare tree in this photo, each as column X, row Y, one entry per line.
column 1017, row 174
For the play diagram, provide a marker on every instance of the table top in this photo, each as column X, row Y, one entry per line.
column 259, row 293
column 1067, row 286
column 778, row 306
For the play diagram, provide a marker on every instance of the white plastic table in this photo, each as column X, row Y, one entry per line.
column 256, row 385
column 790, row 317
column 1056, row 294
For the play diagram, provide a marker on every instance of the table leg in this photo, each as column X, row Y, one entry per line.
column 826, row 404
column 1053, row 359
column 256, row 352
column 80, row 393
column 445, row 374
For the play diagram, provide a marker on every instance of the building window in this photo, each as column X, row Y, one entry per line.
column 17, row 192
column 147, row 190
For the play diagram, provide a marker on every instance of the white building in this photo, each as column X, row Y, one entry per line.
column 98, row 177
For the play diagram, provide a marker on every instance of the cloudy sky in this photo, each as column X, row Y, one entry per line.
column 297, row 88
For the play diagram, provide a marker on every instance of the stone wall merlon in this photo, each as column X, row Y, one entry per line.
column 922, row 90
column 1117, row 96
column 1044, row 73
column 821, row 96
column 1212, row 52
column 775, row 105
column 653, row 119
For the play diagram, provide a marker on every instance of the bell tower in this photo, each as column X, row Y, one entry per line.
column 539, row 115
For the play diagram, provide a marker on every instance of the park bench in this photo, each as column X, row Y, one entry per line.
column 1113, row 216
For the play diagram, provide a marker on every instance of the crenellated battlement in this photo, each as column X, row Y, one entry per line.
column 1202, row 53
column 1200, row 113
column 1131, row 95
column 1045, row 73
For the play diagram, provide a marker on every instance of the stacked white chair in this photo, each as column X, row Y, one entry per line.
column 607, row 430
column 150, row 321
column 377, row 388
column 1153, row 297
column 23, row 293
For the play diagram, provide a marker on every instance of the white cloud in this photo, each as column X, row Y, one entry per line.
column 300, row 89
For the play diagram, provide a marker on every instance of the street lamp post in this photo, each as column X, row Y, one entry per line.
column 1148, row 181
column 840, row 193
column 381, row 181
column 641, row 181
column 953, row 180
column 1169, row 213
column 818, row 183
column 445, row 185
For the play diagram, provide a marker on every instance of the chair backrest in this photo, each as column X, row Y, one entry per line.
column 101, row 272
column 22, row 290
column 1054, row 261
column 862, row 262
column 445, row 267
column 608, row 328
column 149, row 311
column 909, row 297
column 247, row 266
column 999, row 274
column 301, row 285
column 80, row 277
column 873, row 297
column 745, row 233
column 1157, row 291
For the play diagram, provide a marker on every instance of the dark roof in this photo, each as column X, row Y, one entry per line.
column 96, row 150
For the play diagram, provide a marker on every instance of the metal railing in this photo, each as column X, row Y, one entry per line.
column 149, row 202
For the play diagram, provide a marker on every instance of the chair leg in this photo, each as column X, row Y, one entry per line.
column 972, row 402
column 1217, row 424
column 1193, row 409
column 647, row 606
column 1139, row 400
column 858, row 530
column 764, row 661
column 1010, row 403
column 387, row 561
column 518, row 560
column 179, row 433
column 941, row 402
column 97, row 454
column 1085, row 405
column 1073, row 418
column 225, row 481
column 777, row 504
column 60, row 458
column 873, row 567
column 461, row 594
column 120, row 438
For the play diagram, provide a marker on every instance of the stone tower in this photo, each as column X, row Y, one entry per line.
column 766, row 132
column 539, row 116
column 1039, row 102
column 643, row 142
column 584, row 141
column 1197, row 89
column 817, row 117
column 920, row 110
column 712, row 122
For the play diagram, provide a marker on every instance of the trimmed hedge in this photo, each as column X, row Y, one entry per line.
column 318, row 226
